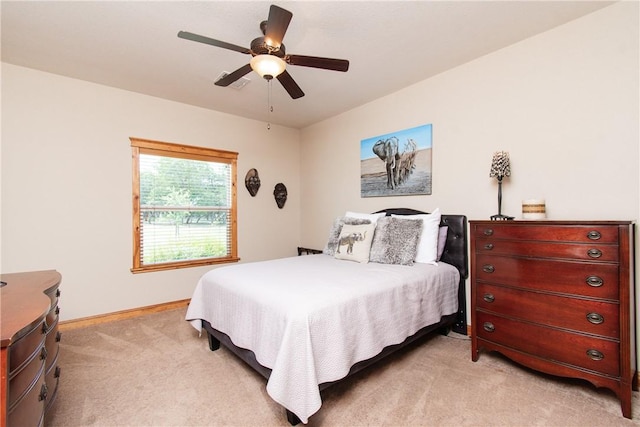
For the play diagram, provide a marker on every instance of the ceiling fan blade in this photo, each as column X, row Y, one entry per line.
column 290, row 85
column 206, row 40
column 277, row 25
column 230, row 78
column 317, row 62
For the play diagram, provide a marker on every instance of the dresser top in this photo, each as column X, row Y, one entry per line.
column 23, row 302
column 550, row 222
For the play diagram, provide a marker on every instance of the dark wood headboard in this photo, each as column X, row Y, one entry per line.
column 455, row 253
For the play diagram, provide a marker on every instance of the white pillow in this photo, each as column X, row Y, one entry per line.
column 354, row 243
column 428, row 244
column 371, row 217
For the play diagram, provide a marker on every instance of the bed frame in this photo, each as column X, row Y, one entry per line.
column 455, row 253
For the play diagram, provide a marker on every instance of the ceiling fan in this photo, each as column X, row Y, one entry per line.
column 269, row 57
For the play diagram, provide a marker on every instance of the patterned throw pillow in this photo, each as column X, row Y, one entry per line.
column 428, row 244
column 396, row 241
column 373, row 217
column 336, row 228
column 354, row 242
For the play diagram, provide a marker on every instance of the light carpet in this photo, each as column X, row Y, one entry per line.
column 155, row 370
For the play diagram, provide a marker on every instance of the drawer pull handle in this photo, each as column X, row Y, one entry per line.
column 489, row 327
column 489, row 298
column 57, row 310
column 58, row 336
column 595, row 318
column 488, row 232
column 488, row 246
column 43, row 353
column 58, row 293
column 594, row 235
column 44, row 329
column 43, row 393
column 488, row 268
column 56, row 374
column 595, row 281
column 594, row 253
column 595, row 354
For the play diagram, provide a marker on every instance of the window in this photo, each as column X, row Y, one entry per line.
column 184, row 206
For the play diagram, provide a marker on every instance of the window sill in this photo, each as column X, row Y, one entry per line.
column 184, row 264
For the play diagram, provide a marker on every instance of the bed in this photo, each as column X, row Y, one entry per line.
column 324, row 317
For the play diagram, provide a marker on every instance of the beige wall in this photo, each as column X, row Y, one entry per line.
column 563, row 103
column 66, row 186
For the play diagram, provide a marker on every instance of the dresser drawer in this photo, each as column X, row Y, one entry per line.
column 579, row 251
column 29, row 411
column 607, row 234
column 54, row 296
column 570, row 277
column 52, row 315
column 52, row 380
column 52, row 344
column 599, row 355
column 22, row 379
column 595, row 317
column 25, row 348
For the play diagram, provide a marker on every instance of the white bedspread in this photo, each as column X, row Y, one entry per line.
column 310, row 318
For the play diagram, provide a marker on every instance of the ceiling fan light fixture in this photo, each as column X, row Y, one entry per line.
column 267, row 66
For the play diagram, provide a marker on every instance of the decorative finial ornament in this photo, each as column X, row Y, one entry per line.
column 500, row 167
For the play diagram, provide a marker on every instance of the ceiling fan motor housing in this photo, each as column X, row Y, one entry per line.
column 260, row 47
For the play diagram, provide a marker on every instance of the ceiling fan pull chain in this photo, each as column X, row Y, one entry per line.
column 269, row 106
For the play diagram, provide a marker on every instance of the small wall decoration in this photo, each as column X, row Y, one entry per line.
column 280, row 194
column 397, row 163
column 252, row 182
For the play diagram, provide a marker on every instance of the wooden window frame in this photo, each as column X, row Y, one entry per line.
column 158, row 148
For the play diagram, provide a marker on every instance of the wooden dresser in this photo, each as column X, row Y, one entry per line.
column 558, row 297
column 30, row 342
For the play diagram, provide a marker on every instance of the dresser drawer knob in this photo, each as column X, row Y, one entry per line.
column 595, row 318
column 594, row 253
column 488, row 232
column 58, row 336
column 43, row 393
column 595, row 354
column 489, row 298
column 43, row 353
column 488, row 246
column 56, row 373
column 489, row 327
column 488, row 268
column 595, row 281
column 594, row 235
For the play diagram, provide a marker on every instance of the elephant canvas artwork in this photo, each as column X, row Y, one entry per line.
column 397, row 163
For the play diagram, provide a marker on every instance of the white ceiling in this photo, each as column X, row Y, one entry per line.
column 133, row 45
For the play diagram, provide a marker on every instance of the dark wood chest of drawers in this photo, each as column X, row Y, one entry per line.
column 30, row 343
column 558, row 297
